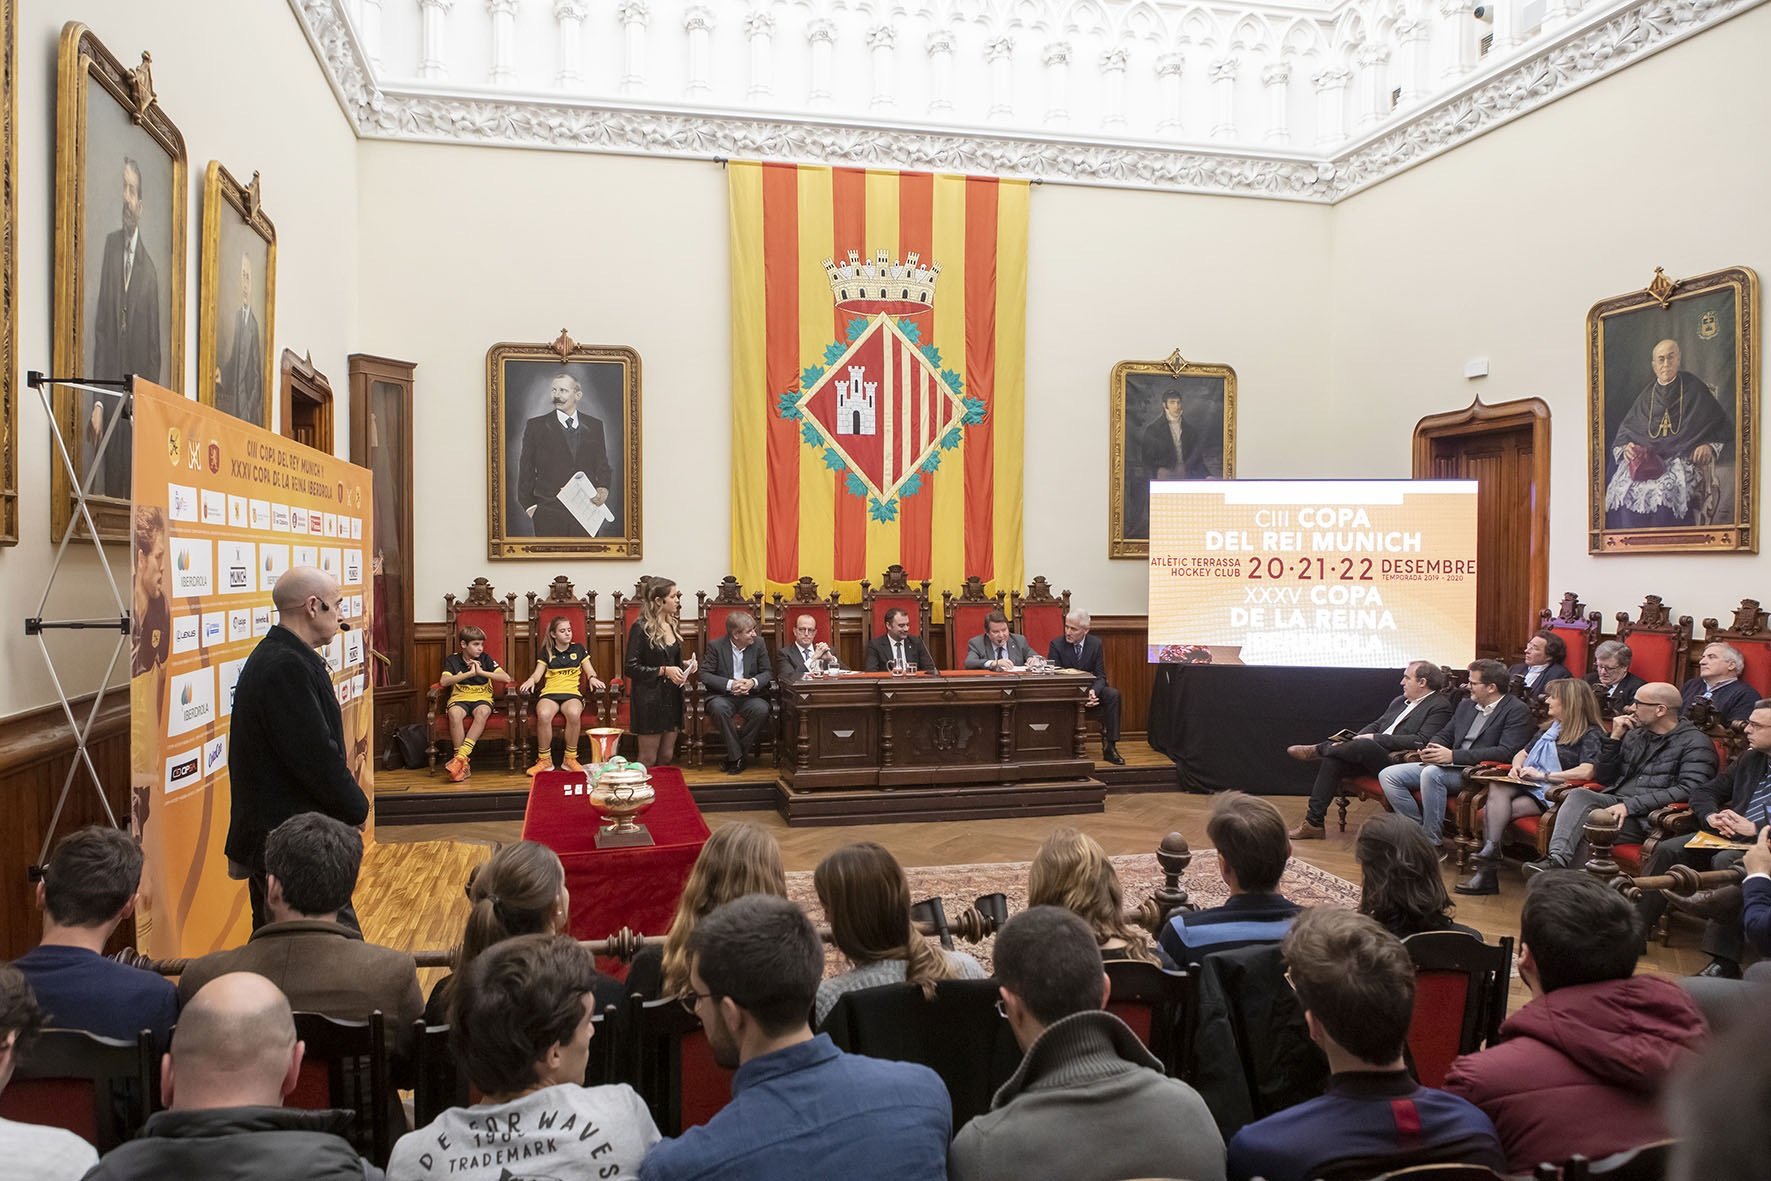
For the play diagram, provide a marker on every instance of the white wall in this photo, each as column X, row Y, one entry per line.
column 243, row 87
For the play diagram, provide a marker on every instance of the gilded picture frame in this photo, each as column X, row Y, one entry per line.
column 237, row 300
column 114, row 317
column 533, row 457
column 9, row 273
column 1141, row 438
column 1673, row 395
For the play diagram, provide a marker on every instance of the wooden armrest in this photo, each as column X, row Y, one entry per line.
column 1673, row 820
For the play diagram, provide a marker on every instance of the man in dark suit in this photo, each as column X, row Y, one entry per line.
column 998, row 649
column 126, row 338
column 1544, row 654
column 1080, row 650
column 1169, row 452
column 239, row 387
column 1422, row 709
column 806, row 652
column 1718, row 682
column 1614, row 683
column 1491, row 725
column 557, row 446
column 735, row 677
column 897, row 645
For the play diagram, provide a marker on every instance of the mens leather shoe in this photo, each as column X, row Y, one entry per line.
column 1721, row 969
column 1111, row 753
column 1532, row 868
column 730, row 766
column 1483, row 881
column 1303, row 754
column 1305, row 831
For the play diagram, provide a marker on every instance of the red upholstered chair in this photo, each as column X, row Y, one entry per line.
column 965, row 614
column 894, row 591
column 1160, row 1006
column 1577, row 628
column 98, row 1088
column 1660, row 649
column 1460, row 998
column 1366, row 787
column 713, row 612
column 805, row 601
column 1039, row 614
column 1749, row 634
column 497, row 618
column 627, row 613
column 346, row 1068
column 562, row 602
column 673, row 1068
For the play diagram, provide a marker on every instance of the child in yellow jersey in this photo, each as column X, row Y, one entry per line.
column 468, row 675
column 560, row 667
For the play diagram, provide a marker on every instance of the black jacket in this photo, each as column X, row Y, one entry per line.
column 1555, row 671
column 1732, row 702
column 1646, row 770
column 1062, row 653
column 1732, row 789
column 286, row 750
column 1507, row 731
column 239, row 1144
column 879, row 654
column 1429, row 717
column 1620, row 694
column 1251, row 1054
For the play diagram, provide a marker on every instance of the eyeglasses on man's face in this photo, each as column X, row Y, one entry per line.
column 691, row 1001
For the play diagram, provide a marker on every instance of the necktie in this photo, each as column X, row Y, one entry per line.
column 1760, row 806
column 1000, row 654
column 805, row 655
column 898, row 651
column 128, row 265
column 1079, row 653
column 571, row 424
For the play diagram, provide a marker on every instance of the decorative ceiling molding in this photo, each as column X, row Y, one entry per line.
column 1591, row 45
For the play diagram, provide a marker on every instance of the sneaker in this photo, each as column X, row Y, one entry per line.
column 457, row 769
column 541, row 764
column 1305, row 831
column 573, row 765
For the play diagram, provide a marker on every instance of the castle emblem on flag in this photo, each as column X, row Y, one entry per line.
column 881, row 408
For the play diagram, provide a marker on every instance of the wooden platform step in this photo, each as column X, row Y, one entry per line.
column 1063, row 797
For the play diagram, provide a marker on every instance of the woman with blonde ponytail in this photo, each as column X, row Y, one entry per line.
column 866, row 899
column 1072, row 871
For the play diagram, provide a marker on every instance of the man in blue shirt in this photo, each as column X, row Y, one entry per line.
column 88, row 888
column 800, row 1107
column 1356, row 984
column 1249, row 836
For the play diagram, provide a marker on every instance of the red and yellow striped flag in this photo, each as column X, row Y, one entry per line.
column 878, row 340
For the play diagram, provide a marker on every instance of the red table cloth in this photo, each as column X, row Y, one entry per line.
column 615, row 888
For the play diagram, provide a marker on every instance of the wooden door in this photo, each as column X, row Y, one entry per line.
column 1505, row 449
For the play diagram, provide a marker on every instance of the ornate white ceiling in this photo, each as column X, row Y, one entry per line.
column 1298, row 101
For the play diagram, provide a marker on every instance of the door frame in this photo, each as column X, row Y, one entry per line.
column 305, row 384
column 1478, row 419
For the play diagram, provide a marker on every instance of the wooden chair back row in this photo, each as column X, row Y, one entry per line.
column 1662, row 647
column 98, row 1088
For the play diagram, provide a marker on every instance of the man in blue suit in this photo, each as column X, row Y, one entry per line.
column 1079, row 650
column 736, row 679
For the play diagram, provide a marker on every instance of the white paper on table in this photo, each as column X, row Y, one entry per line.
column 579, row 497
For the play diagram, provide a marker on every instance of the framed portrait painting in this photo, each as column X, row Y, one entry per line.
column 119, row 263
column 1673, row 389
column 237, row 299
column 1171, row 420
column 563, row 471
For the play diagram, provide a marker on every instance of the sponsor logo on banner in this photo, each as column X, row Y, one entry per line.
column 272, row 561
column 353, row 567
column 215, row 507
column 353, row 649
column 335, row 654
column 305, row 556
column 183, row 770
column 192, row 567
column 316, row 523
column 342, row 691
column 239, row 574
column 213, row 455
column 356, row 528
column 185, row 632
column 261, row 620
column 330, row 525
column 237, row 511
column 279, row 518
column 228, row 671
column 181, row 503
column 297, row 519
column 193, row 701
column 215, row 755
column 239, row 625
column 215, row 626
column 360, row 684
column 330, row 561
column 258, row 514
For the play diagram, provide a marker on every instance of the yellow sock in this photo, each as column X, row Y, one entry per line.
column 465, row 749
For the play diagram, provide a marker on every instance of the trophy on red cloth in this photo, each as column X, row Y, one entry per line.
column 620, row 792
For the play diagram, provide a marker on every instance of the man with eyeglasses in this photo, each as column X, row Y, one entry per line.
column 1653, row 758
column 286, row 744
column 1614, row 683
column 1718, row 682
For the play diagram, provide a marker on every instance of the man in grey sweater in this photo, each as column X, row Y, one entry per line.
column 1089, row 1102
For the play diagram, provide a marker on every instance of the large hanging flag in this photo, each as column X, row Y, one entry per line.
column 878, row 338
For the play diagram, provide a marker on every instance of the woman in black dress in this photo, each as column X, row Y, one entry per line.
column 656, row 672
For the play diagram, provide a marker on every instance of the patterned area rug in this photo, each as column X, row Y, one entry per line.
column 1139, row 875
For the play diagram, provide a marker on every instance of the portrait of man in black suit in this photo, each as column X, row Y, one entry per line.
column 239, row 386
column 1174, row 429
column 125, row 330
column 559, row 443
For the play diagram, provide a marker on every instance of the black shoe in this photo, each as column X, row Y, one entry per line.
column 1110, row 752
column 730, row 766
column 1721, row 969
column 738, row 765
column 1532, row 868
column 1483, row 881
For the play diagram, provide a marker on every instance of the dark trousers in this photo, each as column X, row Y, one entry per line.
column 1722, row 937
column 1107, row 714
column 1356, row 756
column 741, row 721
column 260, row 916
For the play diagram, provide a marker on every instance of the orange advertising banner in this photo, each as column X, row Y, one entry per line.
column 222, row 508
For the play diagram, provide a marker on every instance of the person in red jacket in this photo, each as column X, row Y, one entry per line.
column 1580, row 1068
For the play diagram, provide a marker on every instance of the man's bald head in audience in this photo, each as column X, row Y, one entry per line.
column 234, row 1046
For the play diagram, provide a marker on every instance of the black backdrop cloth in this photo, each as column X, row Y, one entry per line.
column 1227, row 726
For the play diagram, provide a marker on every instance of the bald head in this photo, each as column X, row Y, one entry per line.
column 234, row 1045
column 307, row 604
column 1665, row 360
column 1660, row 693
column 1657, row 706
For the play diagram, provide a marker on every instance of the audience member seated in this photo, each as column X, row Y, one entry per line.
column 866, row 900
column 1580, row 1067
column 1491, row 726
column 738, row 859
column 521, row 890
column 53, row 1154
column 1072, row 871
column 1716, row 1109
column 322, row 966
column 1756, row 907
column 233, row 1060
column 800, row 1107
column 522, row 1033
column 1614, row 683
column 88, row 887
column 1077, row 650
column 1544, row 654
column 998, row 649
column 736, row 680
column 1421, row 710
column 1652, row 758
column 1088, row 1100
column 1249, row 836
column 1399, row 881
column 1567, row 751
column 897, row 647
column 1718, row 682
column 1356, row 984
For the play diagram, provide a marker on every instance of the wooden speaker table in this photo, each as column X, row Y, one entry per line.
column 871, row 747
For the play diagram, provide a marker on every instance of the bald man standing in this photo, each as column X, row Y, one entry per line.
column 286, row 750
column 234, row 1058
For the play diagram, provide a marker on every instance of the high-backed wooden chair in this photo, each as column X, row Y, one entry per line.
column 1160, row 1006
column 805, row 600
column 894, row 591
column 1367, row 787
column 482, row 608
column 673, row 1068
column 1577, row 628
column 627, row 613
column 965, row 614
column 1039, row 615
column 346, row 1067
column 1748, row 633
column 1660, row 649
column 713, row 613
column 562, row 602
column 1460, row 998
column 98, row 1088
